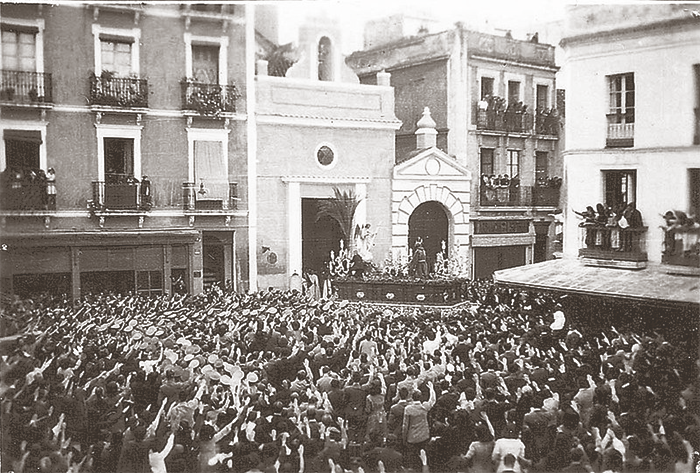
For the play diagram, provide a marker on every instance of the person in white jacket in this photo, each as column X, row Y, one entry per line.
column 509, row 452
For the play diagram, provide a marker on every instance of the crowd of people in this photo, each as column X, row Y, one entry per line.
column 277, row 382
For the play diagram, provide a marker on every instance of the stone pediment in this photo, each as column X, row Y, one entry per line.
column 431, row 163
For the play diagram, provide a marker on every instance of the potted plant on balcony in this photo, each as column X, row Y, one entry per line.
column 8, row 93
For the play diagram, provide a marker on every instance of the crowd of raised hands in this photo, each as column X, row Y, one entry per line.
column 276, row 382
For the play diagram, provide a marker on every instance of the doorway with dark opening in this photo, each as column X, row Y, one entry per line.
column 319, row 237
column 429, row 223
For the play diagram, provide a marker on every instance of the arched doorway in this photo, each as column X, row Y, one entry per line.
column 319, row 237
column 429, row 223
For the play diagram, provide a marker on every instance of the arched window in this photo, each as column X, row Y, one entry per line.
column 325, row 59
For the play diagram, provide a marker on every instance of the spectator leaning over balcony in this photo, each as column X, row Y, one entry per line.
column 51, row 189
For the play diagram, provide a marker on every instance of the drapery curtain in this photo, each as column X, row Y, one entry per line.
column 209, row 170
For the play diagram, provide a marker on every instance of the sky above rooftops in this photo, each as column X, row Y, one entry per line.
column 522, row 17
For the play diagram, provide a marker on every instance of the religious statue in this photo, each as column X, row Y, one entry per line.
column 364, row 241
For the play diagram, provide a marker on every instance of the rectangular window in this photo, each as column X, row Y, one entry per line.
column 513, row 163
column 694, row 187
column 513, row 92
column 542, row 98
column 486, row 86
column 486, row 161
column 149, row 282
column 210, row 176
column 18, row 50
column 620, row 188
column 541, row 158
column 116, row 56
column 22, row 148
column 621, row 114
column 205, row 64
column 119, row 160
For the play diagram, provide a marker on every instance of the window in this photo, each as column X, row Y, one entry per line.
column 119, row 160
column 694, row 186
column 513, row 92
column 325, row 156
column 486, row 161
column 210, row 174
column 621, row 111
column 22, row 148
column 18, row 50
column 620, row 188
column 116, row 56
column 486, row 86
column 542, row 97
column 116, row 50
column 205, row 58
column 541, row 170
column 205, row 64
column 325, row 59
column 513, row 162
column 149, row 282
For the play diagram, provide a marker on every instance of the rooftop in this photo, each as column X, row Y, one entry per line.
column 570, row 276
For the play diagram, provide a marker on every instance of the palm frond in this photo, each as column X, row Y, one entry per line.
column 342, row 209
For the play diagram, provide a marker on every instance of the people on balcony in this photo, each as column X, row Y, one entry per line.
column 606, row 229
column 24, row 188
column 51, row 189
column 681, row 234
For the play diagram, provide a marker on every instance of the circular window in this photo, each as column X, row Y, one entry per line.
column 325, row 156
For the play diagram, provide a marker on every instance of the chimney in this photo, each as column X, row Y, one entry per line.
column 426, row 134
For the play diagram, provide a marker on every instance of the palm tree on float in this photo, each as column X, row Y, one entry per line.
column 342, row 209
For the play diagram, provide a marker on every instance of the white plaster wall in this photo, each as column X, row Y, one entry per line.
column 664, row 88
column 662, row 184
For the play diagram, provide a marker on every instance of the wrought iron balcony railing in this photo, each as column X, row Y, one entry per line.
column 504, row 121
column 209, row 99
column 121, row 196
column 194, row 199
column 127, row 92
column 608, row 243
column 26, row 87
column 682, row 247
column 26, row 189
column 518, row 196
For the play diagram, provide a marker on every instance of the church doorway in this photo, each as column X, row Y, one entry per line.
column 429, row 223
column 319, row 237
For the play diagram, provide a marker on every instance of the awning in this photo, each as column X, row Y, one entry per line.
column 569, row 276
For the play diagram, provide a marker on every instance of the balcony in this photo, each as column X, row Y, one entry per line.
column 120, row 196
column 111, row 91
column 196, row 198
column 518, row 196
column 547, row 123
column 620, row 133
column 682, row 250
column 545, row 196
column 26, row 190
column 504, row 121
column 613, row 246
column 27, row 88
column 209, row 99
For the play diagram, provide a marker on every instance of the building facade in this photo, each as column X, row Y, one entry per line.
column 319, row 130
column 494, row 102
column 138, row 156
column 631, row 138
